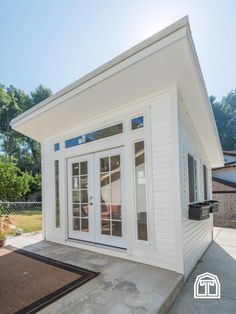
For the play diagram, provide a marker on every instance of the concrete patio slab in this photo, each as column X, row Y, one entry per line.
column 220, row 259
column 121, row 287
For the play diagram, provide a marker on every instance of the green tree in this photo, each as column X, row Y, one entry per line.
column 225, row 116
column 40, row 94
column 229, row 105
column 31, row 160
column 13, row 182
column 34, row 184
column 12, row 103
column 13, row 145
column 24, row 150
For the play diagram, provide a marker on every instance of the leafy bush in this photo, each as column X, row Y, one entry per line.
column 13, row 182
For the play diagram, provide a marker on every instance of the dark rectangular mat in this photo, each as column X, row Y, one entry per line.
column 29, row 282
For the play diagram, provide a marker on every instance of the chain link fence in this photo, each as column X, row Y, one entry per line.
column 23, row 216
column 20, row 208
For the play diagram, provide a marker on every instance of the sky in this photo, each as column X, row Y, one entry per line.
column 55, row 42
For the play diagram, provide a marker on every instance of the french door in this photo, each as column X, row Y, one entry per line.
column 96, row 198
column 80, row 194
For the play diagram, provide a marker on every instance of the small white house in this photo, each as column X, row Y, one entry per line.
column 125, row 149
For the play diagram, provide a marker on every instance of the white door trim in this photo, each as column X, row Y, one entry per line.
column 94, row 235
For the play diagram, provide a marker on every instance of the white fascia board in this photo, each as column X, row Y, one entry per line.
column 209, row 110
column 165, row 37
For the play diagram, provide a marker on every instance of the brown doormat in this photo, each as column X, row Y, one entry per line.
column 29, row 282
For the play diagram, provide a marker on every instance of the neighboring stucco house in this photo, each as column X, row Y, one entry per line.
column 125, row 149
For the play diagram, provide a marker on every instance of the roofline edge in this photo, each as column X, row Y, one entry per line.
column 104, row 67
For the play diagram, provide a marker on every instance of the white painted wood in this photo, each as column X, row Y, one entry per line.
column 174, row 242
column 148, row 47
column 165, row 172
column 161, row 79
column 160, row 249
column 118, row 83
column 43, row 189
column 197, row 235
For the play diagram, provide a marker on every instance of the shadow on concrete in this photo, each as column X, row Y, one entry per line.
column 220, row 259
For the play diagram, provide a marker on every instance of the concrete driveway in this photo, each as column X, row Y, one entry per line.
column 220, row 259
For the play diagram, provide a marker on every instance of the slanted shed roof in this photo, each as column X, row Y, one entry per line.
column 223, row 186
column 165, row 59
column 228, row 165
column 230, row 153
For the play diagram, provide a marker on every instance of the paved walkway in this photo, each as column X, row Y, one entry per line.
column 220, row 259
column 122, row 287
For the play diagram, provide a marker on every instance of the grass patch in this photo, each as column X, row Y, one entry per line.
column 28, row 223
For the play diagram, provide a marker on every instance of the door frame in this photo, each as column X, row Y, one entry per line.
column 94, row 235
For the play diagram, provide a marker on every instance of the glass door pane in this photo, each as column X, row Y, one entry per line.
column 140, row 191
column 80, row 206
column 110, row 196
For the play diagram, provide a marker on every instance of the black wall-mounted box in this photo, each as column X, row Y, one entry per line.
column 199, row 211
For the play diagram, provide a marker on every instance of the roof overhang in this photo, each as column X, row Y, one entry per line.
column 165, row 59
column 230, row 153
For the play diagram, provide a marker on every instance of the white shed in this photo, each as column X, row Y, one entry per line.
column 125, row 149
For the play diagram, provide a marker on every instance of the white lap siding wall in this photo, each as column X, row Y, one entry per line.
column 166, row 190
column 197, row 235
column 178, row 242
column 51, row 232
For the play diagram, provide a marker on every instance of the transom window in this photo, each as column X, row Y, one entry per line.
column 95, row 135
column 56, row 147
column 137, row 123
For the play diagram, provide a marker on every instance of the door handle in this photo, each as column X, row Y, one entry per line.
column 90, row 200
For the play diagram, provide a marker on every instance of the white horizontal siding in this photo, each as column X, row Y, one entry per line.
column 196, row 241
column 163, row 184
column 163, row 248
column 51, row 233
column 197, row 235
column 48, row 194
